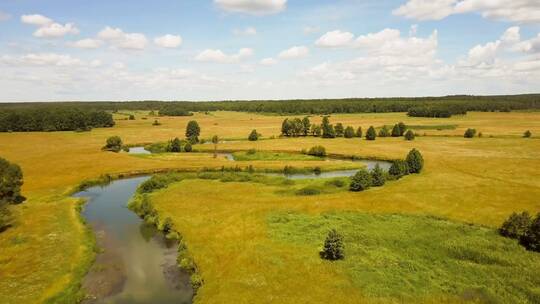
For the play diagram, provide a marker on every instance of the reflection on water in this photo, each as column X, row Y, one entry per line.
column 370, row 165
column 138, row 150
column 135, row 254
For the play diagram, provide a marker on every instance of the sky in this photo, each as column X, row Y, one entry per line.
column 63, row 50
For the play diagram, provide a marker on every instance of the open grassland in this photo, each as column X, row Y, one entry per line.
column 480, row 180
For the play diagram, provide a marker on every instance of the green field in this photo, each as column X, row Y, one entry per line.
column 424, row 238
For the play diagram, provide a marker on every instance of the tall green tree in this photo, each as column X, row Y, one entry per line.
column 193, row 131
column 327, row 129
column 333, row 247
column 371, row 134
column 306, row 124
column 377, row 176
column 286, row 128
column 415, row 161
column 349, row 132
column 339, row 129
column 360, row 181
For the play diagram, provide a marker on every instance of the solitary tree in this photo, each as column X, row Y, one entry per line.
column 359, row 132
column 114, row 143
column 360, row 181
column 531, row 238
column 409, row 135
column 215, row 141
column 415, row 161
column 253, row 136
column 306, row 124
column 470, row 133
column 516, row 225
column 370, row 134
column 384, row 132
column 333, row 246
column 527, row 134
column 176, row 145
column 193, row 131
column 349, row 132
column 377, row 176
column 399, row 168
column 339, row 129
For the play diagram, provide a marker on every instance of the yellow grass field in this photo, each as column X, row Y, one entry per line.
column 480, row 180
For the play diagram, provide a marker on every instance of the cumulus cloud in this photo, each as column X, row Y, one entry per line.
column 248, row 31
column 268, row 61
column 218, row 56
column 87, row 43
column 168, row 41
column 44, row 59
column 253, row 7
column 334, row 39
column 294, row 52
column 522, row 11
column 47, row 28
column 118, row 38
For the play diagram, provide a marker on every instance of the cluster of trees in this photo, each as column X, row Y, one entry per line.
column 438, row 111
column 66, row 119
column 333, row 247
column 113, row 144
column 523, row 228
column 176, row 146
column 11, row 180
column 318, row 151
column 174, row 111
column 303, row 127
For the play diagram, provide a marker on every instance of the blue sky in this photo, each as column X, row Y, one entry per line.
column 266, row 49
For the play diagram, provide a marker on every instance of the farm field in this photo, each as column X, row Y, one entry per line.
column 262, row 241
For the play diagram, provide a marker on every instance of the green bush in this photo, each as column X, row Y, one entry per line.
column 254, row 136
column 378, row 177
column 349, row 132
column 516, row 225
column 470, row 133
column 339, row 129
column 319, row 151
column 531, row 238
column 131, row 117
column 333, row 247
column 415, row 161
column 308, row 190
column 188, row 147
column 409, row 135
column 114, row 144
column 176, row 145
column 527, row 134
column 156, row 123
column 371, row 134
column 360, row 181
column 167, row 225
column 339, row 183
column 359, row 132
column 402, row 128
column 399, row 168
column 383, row 132
column 396, row 131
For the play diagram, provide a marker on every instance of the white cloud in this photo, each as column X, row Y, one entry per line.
column 248, row 31
column 87, row 44
column 44, row 59
column 48, row 28
column 294, row 52
column 253, row 7
column 268, row 61
column 218, row 56
column 522, row 11
column 168, row 41
column 122, row 40
column 335, row 39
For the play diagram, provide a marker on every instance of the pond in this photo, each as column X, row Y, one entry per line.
column 136, row 263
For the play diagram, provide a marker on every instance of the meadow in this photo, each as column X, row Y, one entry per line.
column 256, row 242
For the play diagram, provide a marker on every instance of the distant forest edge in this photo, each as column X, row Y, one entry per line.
column 64, row 116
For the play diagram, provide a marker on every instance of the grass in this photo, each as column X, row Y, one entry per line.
column 479, row 180
column 272, row 156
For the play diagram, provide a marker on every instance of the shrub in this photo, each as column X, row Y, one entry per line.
column 399, row 168
column 333, row 247
column 339, row 130
column 338, row 182
column 193, row 131
column 317, row 170
column 409, row 135
column 176, row 145
column 396, row 131
column 415, row 161
column 349, row 132
column 377, row 176
column 370, row 134
column 167, row 225
column 306, row 124
column 470, row 133
column 308, row 190
column 402, row 128
column 516, row 225
column 114, row 143
column 327, row 129
column 188, row 148
column 360, row 181
column 131, row 117
column 319, row 151
column 11, row 180
column 316, row 130
column 359, row 132
column 384, row 132
column 156, row 123
column 253, row 136
column 527, row 134
column 531, row 238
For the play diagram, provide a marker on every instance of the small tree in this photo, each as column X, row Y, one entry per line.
column 396, row 131
column 409, row 135
column 215, row 141
column 402, row 128
column 327, row 129
column 360, row 181
column 339, row 130
column 377, row 176
column 359, row 132
column 384, row 132
column 531, row 238
column 176, row 145
column 316, row 130
column 306, row 124
column 253, row 136
column 349, row 132
column 399, row 168
column 516, row 225
column 333, row 247
column 470, row 133
column 114, row 144
column 415, row 161
column 131, row 117
column 286, row 127
column 319, row 151
column 188, row 147
column 527, row 134
column 193, row 131
column 370, row 134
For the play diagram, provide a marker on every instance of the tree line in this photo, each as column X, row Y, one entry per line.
column 65, row 119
